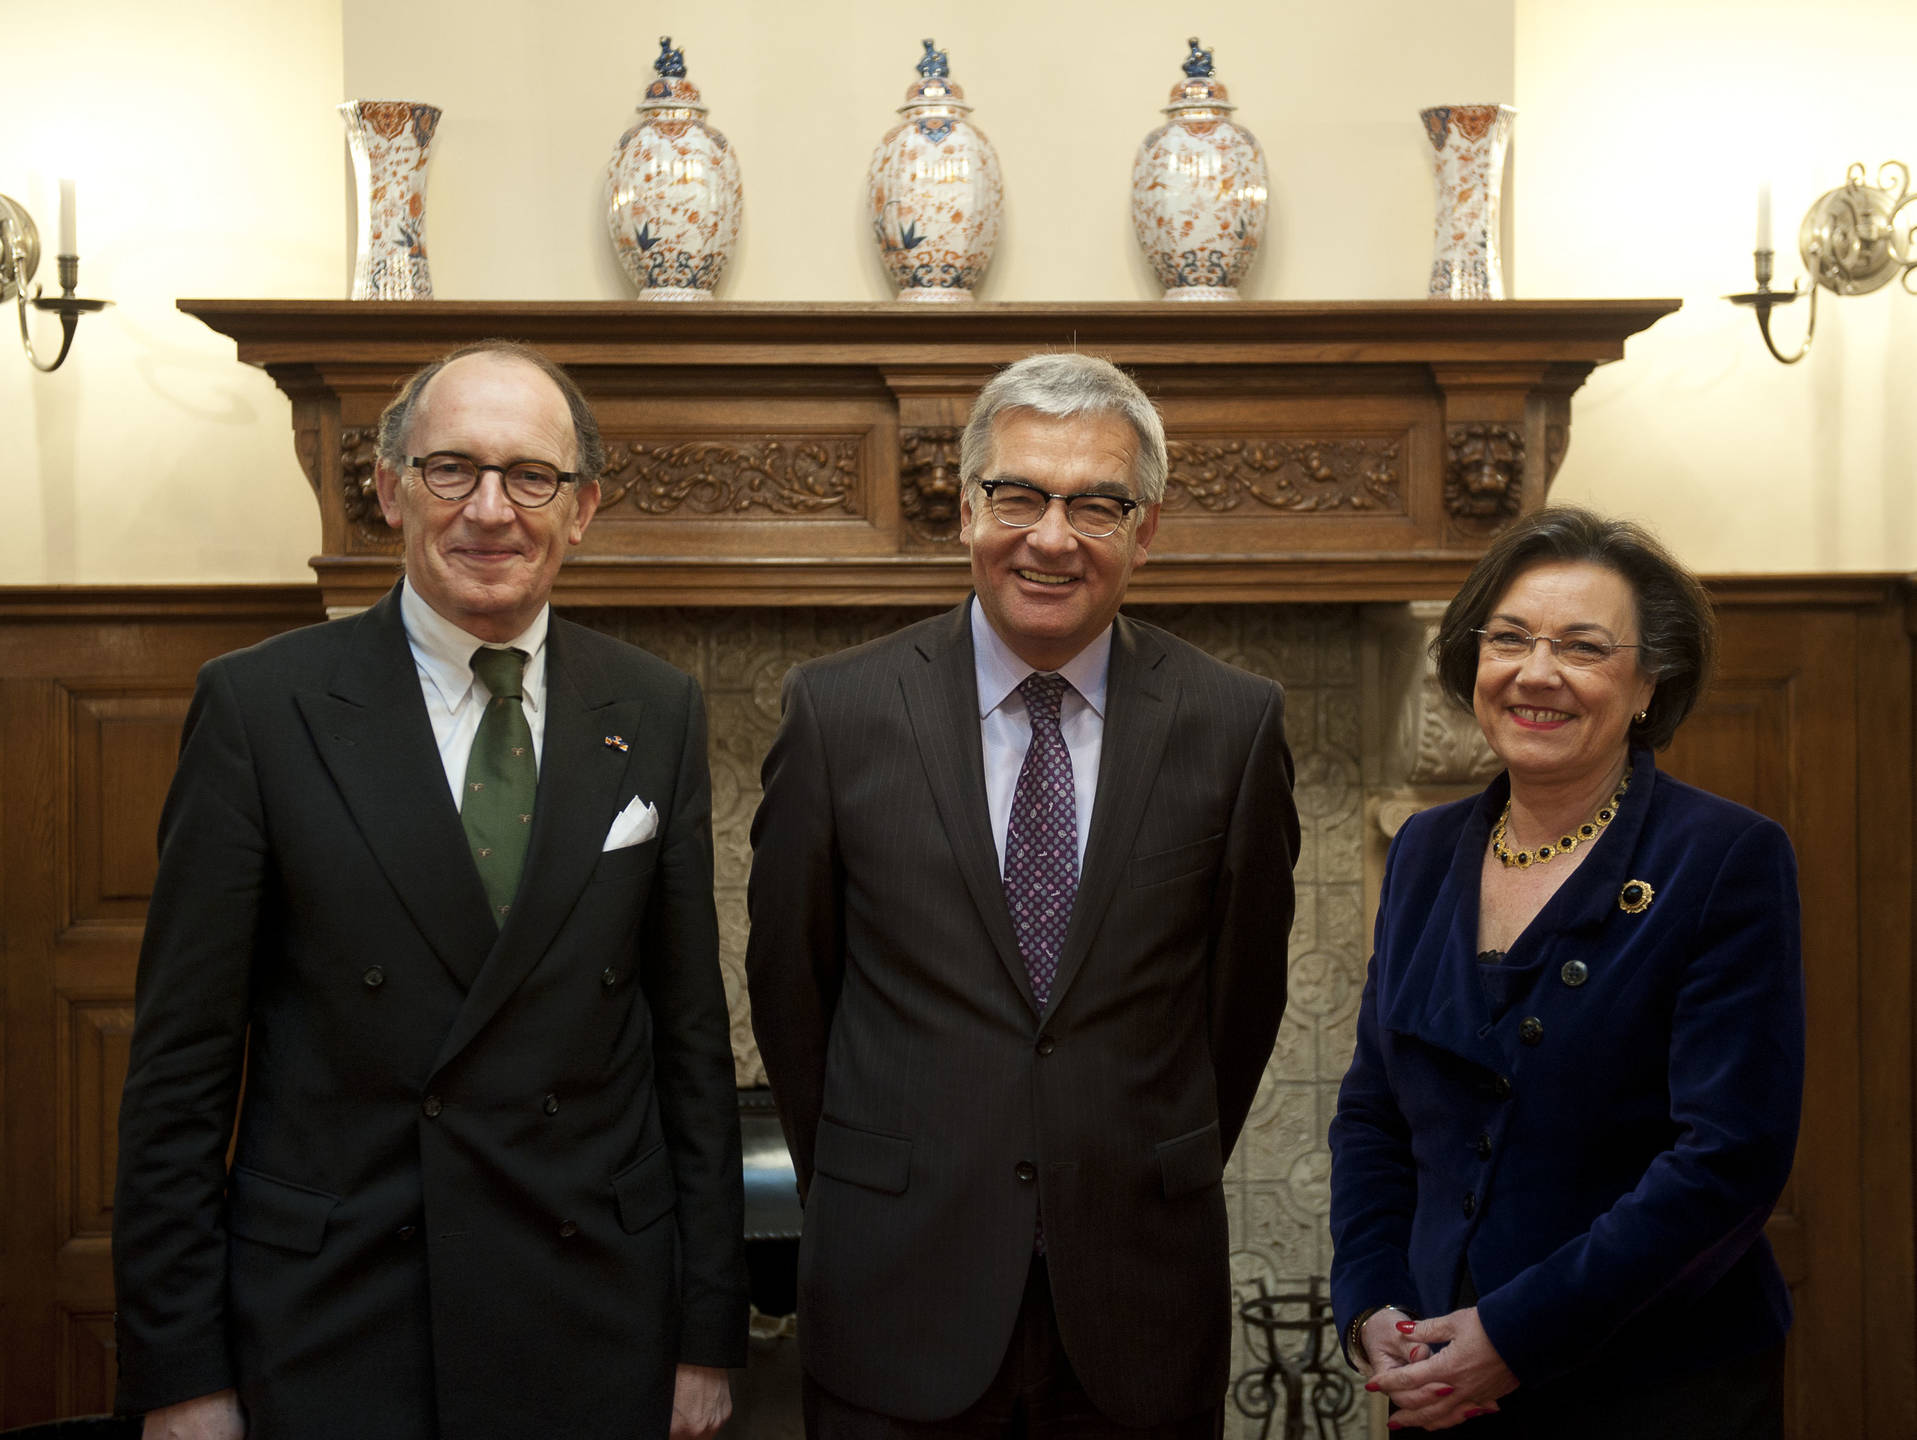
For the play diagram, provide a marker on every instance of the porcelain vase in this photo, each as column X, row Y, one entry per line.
column 1470, row 143
column 392, row 144
column 933, row 191
column 1199, row 193
column 672, row 190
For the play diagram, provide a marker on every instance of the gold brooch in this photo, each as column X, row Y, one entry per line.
column 615, row 742
column 1635, row 897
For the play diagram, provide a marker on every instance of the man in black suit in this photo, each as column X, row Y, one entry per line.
column 437, row 881
column 1020, row 891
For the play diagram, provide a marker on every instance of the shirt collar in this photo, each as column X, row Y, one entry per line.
column 445, row 652
column 1000, row 672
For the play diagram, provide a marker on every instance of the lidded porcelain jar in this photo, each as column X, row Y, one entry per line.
column 933, row 191
column 672, row 190
column 1198, row 190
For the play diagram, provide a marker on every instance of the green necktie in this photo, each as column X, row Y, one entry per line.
column 501, row 779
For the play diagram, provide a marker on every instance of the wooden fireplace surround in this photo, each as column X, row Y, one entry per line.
column 784, row 454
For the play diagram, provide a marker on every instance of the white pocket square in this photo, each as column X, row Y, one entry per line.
column 634, row 825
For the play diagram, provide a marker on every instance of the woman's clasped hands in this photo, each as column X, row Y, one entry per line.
column 1437, row 1373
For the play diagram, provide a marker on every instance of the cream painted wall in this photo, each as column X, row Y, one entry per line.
column 1646, row 127
column 154, row 456
column 209, row 163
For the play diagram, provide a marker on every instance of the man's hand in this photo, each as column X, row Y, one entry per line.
column 205, row 1417
column 701, row 1401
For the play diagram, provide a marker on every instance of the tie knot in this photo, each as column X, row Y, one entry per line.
column 502, row 670
column 1043, row 691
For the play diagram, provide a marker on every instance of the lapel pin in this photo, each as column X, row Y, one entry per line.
column 617, row 742
column 1635, row 897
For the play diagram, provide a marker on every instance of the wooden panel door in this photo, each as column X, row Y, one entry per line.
column 1795, row 727
column 90, row 712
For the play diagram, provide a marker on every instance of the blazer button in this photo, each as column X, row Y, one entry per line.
column 1501, row 1087
column 1046, row 1044
column 609, row 977
column 552, row 1104
column 1530, row 1030
column 568, row 1229
column 374, row 978
column 1574, row 973
column 1025, row 1170
column 431, row 1106
column 406, row 1232
column 1470, row 1204
column 1483, row 1147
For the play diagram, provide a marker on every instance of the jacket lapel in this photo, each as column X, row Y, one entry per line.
column 1141, row 698
column 940, row 687
column 369, row 724
column 580, row 792
column 1438, row 995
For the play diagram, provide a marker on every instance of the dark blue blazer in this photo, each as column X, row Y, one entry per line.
column 1601, row 1158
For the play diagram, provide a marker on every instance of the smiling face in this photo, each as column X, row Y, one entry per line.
column 1048, row 590
column 482, row 562
column 1550, row 723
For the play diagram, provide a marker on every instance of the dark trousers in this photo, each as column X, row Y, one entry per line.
column 1741, row 1400
column 1034, row 1394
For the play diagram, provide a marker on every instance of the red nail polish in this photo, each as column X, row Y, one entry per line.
column 1444, row 1390
column 1473, row 1414
column 1405, row 1327
column 1372, row 1385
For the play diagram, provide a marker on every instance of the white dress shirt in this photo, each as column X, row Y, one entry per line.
column 455, row 697
column 1005, row 726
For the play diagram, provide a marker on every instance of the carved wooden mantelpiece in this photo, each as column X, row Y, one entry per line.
column 808, row 454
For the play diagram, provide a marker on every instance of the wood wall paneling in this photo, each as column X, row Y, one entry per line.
column 93, row 687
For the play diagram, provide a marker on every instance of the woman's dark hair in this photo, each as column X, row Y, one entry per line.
column 1677, row 635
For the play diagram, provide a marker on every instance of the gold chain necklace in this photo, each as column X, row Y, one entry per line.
column 1524, row 859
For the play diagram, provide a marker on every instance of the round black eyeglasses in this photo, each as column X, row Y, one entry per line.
column 529, row 484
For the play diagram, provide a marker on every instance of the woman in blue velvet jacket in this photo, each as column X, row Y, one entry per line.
column 1579, row 1064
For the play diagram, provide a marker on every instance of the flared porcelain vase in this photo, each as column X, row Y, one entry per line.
column 933, row 191
column 1469, row 144
column 672, row 190
column 392, row 144
column 1199, row 195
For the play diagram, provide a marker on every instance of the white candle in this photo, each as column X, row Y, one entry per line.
column 1764, row 216
column 68, row 244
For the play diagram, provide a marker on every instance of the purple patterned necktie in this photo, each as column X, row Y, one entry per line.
column 1041, row 841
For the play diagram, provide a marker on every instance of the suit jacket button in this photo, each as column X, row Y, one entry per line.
column 1483, row 1147
column 1574, row 973
column 552, row 1104
column 1530, row 1030
column 1470, row 1204
column 568, row 1229
column 609, row 977
column 1025, row 1170
column 431, row 1106
column 1501, row 1087
column 406, row 1232
column 1046, row 1044
column 374, row 978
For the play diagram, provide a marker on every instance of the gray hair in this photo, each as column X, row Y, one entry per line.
column 396, row 420
column 1063, row 385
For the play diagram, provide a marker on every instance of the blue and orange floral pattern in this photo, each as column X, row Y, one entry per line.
column 673, row 196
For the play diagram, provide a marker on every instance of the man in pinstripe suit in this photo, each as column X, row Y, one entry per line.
column 1020, row 892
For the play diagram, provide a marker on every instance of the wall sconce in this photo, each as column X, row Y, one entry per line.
column 1848, row 242
column 20, row 258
